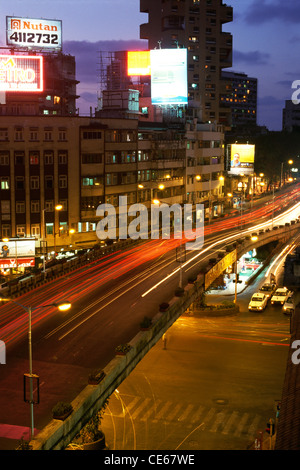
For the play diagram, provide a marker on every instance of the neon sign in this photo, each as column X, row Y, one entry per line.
column 21, row 73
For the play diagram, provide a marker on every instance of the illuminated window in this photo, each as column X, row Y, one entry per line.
column 34, row 158
column 56, row 99
column 4, row 182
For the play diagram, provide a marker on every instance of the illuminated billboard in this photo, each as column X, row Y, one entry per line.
column 138, row 63
column 169, row 76
column 21, row 73
column 242, row 159
column 33, row 33
column 17, row 252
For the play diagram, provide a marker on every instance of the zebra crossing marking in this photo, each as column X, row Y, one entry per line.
column 233, row 417
column 214, row 421
column 152, row 410
column 241, row 424
column 186, row 412
column 140, row 408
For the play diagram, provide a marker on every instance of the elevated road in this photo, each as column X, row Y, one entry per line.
column 109, row 298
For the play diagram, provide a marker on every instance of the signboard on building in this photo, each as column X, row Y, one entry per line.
column 21, row 73
column 138, row 63
column 169, row 76
column 219, row 268
column 33, row 33
column 17, row 252
column 242, row 159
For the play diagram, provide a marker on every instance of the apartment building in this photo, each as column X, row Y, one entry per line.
column 241, row 99
column 198, row 26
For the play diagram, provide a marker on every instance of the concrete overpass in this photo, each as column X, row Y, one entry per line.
column 58, row 434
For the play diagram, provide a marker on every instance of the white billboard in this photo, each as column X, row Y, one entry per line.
column 17, row 252
column 169, row 76
column 33, row 33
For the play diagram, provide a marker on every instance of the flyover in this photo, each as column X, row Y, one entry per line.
column 58, row 434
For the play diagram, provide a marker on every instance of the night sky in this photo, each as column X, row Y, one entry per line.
column 266, row 39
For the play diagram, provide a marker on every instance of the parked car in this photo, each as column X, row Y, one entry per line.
column 280, row 295
column 289, row 305
column 258, row 302
column 268, row 289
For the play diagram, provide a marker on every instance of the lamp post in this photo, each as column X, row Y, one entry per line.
column 62, row 306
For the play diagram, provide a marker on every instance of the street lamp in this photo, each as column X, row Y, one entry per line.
column 58, row 207
column 62, row 306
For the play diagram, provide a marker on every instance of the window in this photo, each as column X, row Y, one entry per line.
column 19, row 134
column 35, row 230
column 64, row 203
column 20, row 182
column 4, row 158
column 33, row 134
column 4, row 182
column 49, row 206
column 34, row 182
column 49, row 229
column 20, row 207
column 48, row 157
column 6, row 231
column 34, row 158
column 49, row 182
column 91, row 158
column 62, row 134
column 62, row 158
column 62, row 181
column 48, row 134
column 19, row 158
column 20, row 230
column 3, row 134
column 35, row 206
column 92, row 135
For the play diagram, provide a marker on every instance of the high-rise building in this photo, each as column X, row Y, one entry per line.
column 198, row 26
column 241, row 99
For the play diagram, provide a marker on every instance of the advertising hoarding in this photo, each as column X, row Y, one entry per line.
column 33, row 33
column 17, row 252
column 169, row 76
column 21, row 73
column 138, row 63
column 242, row 159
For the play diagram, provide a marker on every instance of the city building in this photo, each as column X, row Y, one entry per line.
column 290, row 116
column 241, row 99
column 58, row 97
column 198, row 26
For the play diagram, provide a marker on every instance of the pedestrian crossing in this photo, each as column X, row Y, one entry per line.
column 215, row 420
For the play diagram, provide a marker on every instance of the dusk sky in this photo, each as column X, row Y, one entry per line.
column 266, row 39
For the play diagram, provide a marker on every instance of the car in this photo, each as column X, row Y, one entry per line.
column 289, row 306
column 258, row 302
column 268, row 289
column 280, row 295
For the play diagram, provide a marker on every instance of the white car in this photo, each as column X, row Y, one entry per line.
column 268, row 289
column 289, row 306
column 258, row 302
column 280, row 295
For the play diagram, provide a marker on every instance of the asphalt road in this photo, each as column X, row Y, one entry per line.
column 213, row 386
column 107, row 310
